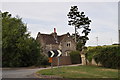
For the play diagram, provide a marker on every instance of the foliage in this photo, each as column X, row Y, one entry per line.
column 79, row 21
column 79, row 46
column 91, row 51
column 75, row 57
column 108, row 56
column 43, row 60
column 18, row 48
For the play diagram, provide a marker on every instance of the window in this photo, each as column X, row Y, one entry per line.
column 68, row 44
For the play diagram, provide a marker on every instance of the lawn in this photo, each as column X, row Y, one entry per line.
column 81, row 72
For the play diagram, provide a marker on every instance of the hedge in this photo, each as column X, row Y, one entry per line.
column 75, row 57
column 108, row 56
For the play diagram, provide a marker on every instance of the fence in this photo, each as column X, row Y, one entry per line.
column 63, row 60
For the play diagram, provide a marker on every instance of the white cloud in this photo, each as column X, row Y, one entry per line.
column 43, row 17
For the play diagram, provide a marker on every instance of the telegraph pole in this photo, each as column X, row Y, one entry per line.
column 97, row 40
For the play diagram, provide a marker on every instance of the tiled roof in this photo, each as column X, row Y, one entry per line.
column 49, row 38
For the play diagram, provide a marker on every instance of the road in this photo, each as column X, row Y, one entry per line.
column 23, row 72
column 20, row 73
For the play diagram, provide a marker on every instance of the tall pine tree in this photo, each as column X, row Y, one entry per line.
column 79, row 21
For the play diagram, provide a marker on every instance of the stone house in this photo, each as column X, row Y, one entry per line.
column 52, row 41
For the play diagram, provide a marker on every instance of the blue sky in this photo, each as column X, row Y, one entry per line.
column 44, row 16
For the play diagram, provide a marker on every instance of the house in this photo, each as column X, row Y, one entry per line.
column 52, row 41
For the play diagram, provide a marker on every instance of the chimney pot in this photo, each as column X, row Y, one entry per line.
column 54, row 30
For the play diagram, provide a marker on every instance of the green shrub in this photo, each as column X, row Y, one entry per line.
column 108, row 56
column 43, row 61
column 75, row 57
column 91, row 51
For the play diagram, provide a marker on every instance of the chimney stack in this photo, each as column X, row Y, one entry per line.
column 54, row 30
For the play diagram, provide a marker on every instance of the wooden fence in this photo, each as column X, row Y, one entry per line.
column 63, row 60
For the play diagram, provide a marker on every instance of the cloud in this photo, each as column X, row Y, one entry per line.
column 44, row 16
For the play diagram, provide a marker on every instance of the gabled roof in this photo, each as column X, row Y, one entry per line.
column 50, row 39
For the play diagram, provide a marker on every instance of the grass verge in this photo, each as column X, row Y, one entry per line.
column 81, row 72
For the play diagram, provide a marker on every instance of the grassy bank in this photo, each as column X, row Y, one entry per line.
column 81, row 72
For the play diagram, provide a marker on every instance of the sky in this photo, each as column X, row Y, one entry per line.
column 45, row 16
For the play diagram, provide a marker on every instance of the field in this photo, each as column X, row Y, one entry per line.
column 81, row 72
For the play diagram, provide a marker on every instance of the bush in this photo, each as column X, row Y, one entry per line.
column 108, row 56
column 91, row 51
column 75, row 57
column 43, row 61
column 18, row 48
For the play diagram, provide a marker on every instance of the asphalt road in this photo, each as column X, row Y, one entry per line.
column 20, row 73
column 23, row 72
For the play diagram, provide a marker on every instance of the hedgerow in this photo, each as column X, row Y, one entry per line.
column 108, row 56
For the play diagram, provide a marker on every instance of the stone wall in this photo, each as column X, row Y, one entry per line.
column 50, row 47
column 67, row 45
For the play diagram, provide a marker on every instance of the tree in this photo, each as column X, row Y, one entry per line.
column 18, row 48
column 79, row 21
